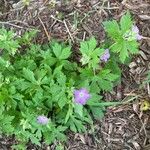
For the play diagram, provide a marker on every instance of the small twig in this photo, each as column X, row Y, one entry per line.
column 96, row 4
column 18, row 21
column 68, row 31
column 110, row 8
column 102, row 6
column 44, row 2
column 46, row 32
column 148, row 89
column 146, row 38
column 11, row 24
column 84, row 34
column 53, row 24
column 87, row 29
column 17, row 26
column 56, row 19
column 124, row 101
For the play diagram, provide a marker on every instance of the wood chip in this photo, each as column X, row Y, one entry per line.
column 143, row 55
column 136, row 145
column 133, row 71
column 144, row 17
column 82, row 138
column 136, row 108
column 132, row 65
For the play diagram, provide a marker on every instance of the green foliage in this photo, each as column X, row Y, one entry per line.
column 60, row 52
column 42, row 82
column 27, row 38
column 7, row 41
column 121, row 34
column 6, row 122
column 90, row 53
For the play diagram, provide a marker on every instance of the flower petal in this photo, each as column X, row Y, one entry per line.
column 81, row 96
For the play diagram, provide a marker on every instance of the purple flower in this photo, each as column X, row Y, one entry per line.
column 81, row 96
column 105, row 56
column 135, row 30
column 42, row 120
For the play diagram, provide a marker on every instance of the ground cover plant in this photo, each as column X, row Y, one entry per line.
column 44, row 91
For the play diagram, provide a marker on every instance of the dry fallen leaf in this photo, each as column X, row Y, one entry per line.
column 145, row 105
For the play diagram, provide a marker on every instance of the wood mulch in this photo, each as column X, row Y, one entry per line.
column 124, row 127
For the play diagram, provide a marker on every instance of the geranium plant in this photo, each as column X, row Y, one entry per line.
column 43, row 92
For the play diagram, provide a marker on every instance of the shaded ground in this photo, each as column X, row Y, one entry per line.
column 124, row 127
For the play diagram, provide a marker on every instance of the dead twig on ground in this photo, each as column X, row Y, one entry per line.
column 11, row 24
column 45, row 30
column 68, row 31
